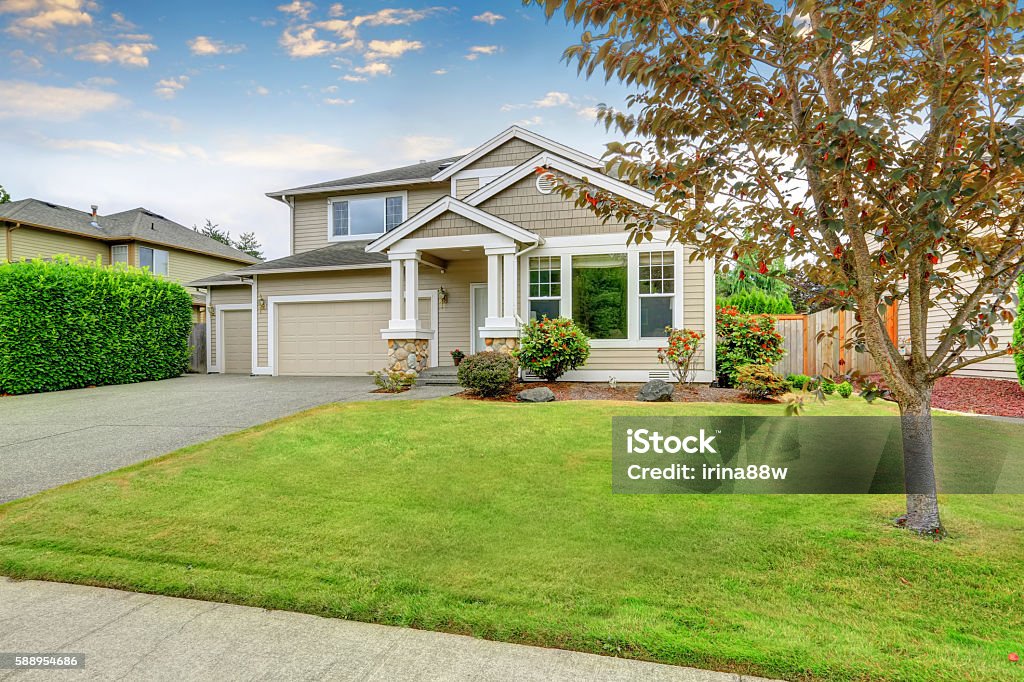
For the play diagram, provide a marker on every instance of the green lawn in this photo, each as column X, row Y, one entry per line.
column 497, row 520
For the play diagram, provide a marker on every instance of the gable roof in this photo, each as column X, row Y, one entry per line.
column 138, row 223
column 450, row 203
column 417, row 172
column 501, row 138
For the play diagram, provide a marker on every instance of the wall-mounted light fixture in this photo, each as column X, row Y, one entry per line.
column 262, row 303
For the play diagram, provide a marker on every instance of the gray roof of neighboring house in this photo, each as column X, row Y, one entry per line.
column 138, row 223
column 422, row 172
column 221, row 279
column 342, row 254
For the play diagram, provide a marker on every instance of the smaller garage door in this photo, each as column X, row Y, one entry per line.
column 237, row 339
column 334, row 338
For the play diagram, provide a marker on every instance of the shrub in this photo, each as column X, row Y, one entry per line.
column 745, row 340
column 845, row 389
column 393, row 381
column 71, row 323
column 798, row 381
column 825, row 385
column 757, row 302
column 489, row 374
column 759, row 381
column 1018, row 331
column 550, row 348
column 680, row 351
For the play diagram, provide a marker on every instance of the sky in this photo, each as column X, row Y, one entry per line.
column 196, row 109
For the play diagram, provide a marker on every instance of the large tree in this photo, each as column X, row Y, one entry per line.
column 874, row 146
column 5, row 197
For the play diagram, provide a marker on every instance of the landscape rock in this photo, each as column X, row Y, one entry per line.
column 655, row 391
column 543, row 394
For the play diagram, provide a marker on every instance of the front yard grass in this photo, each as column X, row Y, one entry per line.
column 497, row 520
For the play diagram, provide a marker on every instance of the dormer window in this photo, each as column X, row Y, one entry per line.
column 365, row 215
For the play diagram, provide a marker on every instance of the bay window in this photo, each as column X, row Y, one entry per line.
column 600, row 298
column 545, row 287
column 656, row 282
column 365, row 215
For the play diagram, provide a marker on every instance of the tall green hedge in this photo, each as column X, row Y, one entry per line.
column 70, row 324
column 1018, row 330
column 756, row 302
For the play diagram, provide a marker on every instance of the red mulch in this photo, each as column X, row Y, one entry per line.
column 981, row 396
column 571, row 390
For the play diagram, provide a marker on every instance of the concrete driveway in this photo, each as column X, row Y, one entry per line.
column 49, row 439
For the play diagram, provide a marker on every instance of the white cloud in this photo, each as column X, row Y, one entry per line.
column 168, row 88
column 122, row 149
column 336, row 10
column 304, row 43
column 391, row 49
column 205, row 46
column 33, row 101
column 41, row 16
column 477, row 50
column 555, row 99
column 299, row 8
column 416, row 147
column 337, row 101
column 125, row 54
column 374, row 69
column 353, row 79
column 289, row 152
column 343, row 28
column 587, row 112
column 26, row 60
column 489, row 18
column 100, row 82
column 121, row 22
column 395, row 17
column 261, row 91
column 439, row 72
column 531, row 121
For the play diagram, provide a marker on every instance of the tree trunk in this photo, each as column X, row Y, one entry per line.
column 919, row 467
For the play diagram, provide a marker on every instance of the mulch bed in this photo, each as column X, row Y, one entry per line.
column 980, row 396
column 571, row 390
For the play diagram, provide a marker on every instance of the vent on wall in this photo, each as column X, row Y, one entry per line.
column 546, row 183
column 662, row 374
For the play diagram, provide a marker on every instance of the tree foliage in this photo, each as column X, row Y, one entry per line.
column 5, row 196
column 248, row 243
column 213, row 231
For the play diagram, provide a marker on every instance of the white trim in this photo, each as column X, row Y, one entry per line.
column 710, row 319
column 209, row 347
column 255, row 316
column 331, row 237
column 281, row 194
column 219, row 318
column 507, row 135
column 450, row 203
column 274, row 301
column 630, row 376
column 554, row 162
column 475, row 324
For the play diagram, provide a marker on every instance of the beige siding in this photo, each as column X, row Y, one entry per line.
column 614, row 360
column 512, row 153
column 311, row 218
column 222, row 296
column 186, row 266
column 694, row 300
column 449, row 225
column 466, row 186
column 29, row 242
column 549, row 215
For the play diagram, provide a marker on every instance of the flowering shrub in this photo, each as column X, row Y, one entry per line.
column 550, row 348
column 745, row 340
column 680, row 351
column 489, row 374
column 1018, row 333
column 759, row 381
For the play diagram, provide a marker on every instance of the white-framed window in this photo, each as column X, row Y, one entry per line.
column 657, row 287
column 366, row 215
column 545, row 287
column 600, row 295
column 154, row 259
column 119, row 254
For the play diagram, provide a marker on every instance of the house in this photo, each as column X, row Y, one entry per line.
column 38, row 229
column 400, row 267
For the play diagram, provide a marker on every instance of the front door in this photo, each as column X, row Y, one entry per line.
column 478, row 304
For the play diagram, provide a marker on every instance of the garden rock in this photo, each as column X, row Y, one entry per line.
column 655, row 391
column 541, row 394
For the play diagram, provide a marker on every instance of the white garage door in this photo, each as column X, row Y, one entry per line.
column 334, row 338
column 237, row 339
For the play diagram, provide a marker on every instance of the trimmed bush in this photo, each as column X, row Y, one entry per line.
column 845, row 389
column 759, row 381
column 827, row 386
column 550, row 348
column 489, row 374
column 798, row 381
column 757, row 302
column 1018, row 331
column 69, row 324
column 745, row 340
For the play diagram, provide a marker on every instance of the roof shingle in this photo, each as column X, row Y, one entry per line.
column 416, row 172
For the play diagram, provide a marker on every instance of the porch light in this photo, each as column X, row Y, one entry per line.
column 262, row 303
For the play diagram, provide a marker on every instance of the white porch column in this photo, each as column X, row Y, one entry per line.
column 396, row 292
column 509, row 286
column 493, row 289
column 412, row 289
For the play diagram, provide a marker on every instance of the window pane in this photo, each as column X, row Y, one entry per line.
column 599, row 294
column 159, row 262
column 119, row 254
column 339, row 225
column 545, row 276
column 657, row 272
column 655, row 315
column 365, row 216
column 539, row 309
column 146, row 258
column 394, row 212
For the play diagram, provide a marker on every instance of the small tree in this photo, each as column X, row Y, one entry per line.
column 679, row 352
column 213, row 231
column 874, row 146
column 247, row 243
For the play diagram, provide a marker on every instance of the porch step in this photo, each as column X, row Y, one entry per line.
column 439, row 376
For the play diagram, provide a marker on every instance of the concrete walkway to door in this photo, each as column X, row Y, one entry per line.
column 48, row 439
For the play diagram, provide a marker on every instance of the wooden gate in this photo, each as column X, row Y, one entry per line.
column 794, row 339
column 197, row 344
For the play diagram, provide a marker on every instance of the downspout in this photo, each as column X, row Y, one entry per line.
column 9, row 241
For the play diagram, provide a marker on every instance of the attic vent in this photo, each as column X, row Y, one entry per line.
column 662, row 374
column 546, row 183
column 445, row 165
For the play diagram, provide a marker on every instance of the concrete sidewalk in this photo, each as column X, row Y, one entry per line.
column 130, row 636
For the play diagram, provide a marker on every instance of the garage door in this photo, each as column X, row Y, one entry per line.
column 237, row 339
column 334, row 338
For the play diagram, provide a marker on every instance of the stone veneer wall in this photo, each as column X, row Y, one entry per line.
column 408, row 355
column 504, row 345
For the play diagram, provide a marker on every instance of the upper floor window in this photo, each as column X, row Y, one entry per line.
column 154, row 259
column 366, row 215
column 119, row 253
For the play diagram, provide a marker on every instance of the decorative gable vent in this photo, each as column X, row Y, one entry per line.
column 546, row 183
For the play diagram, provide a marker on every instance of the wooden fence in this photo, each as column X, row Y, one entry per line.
column 816, row 344
column 197, row 343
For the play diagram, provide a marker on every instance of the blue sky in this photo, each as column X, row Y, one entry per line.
column 195, row 109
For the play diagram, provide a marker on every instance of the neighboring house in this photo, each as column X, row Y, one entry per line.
column 38, row 229
column 400, row 267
